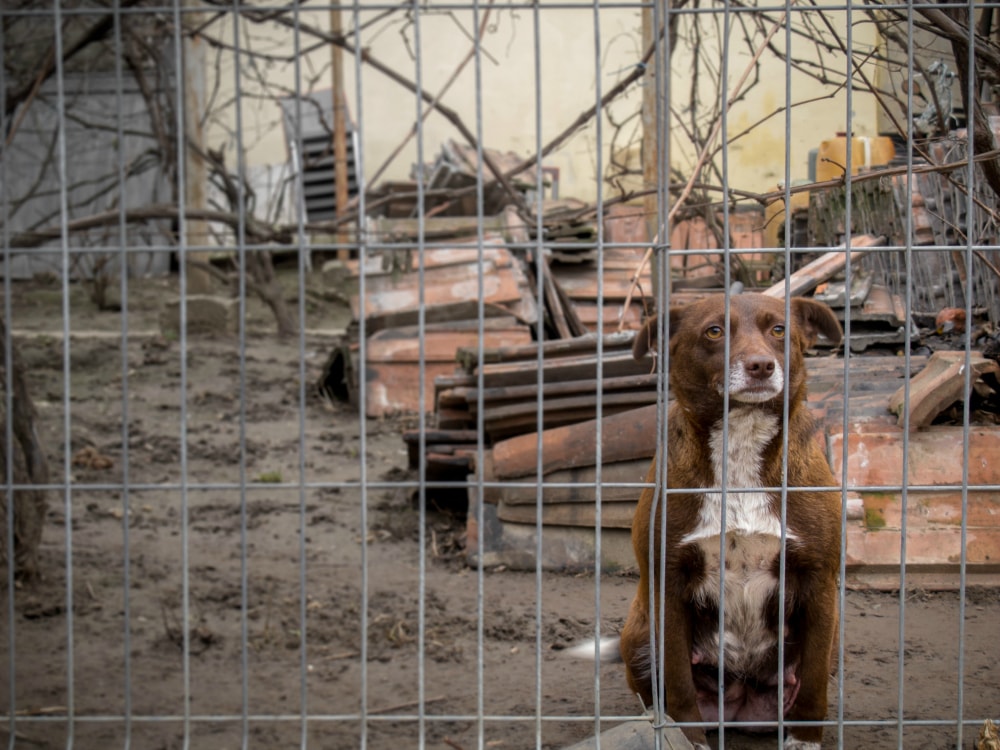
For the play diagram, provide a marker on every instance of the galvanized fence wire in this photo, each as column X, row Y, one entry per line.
column 307, row 480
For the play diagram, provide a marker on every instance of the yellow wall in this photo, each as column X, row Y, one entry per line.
column 568, row 81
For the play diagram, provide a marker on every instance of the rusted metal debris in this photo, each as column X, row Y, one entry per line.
column 928, row 208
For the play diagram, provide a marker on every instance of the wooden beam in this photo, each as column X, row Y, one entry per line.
column 940, row 384
column 624, row 437
column 339, row 129
column 824, row 267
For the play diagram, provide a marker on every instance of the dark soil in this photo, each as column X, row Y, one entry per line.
column 272, row 576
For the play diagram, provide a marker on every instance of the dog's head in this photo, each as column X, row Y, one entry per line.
column 758, row 333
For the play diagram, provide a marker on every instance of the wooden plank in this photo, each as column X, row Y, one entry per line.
column 579, row 484
column 616, row 364
column 452, row 418
column 560, row 316
column 393, row 384
column 587, row 313
column 940, row 384
column 448, row 461
column 406, row 344
column 389, row 262
column 453, row 383
column 824, row 267
column 499, row 395
column 387, row 229
column 624, row 437
column 452, row 398
column 576, row 403
column 442, row 313
column 551, row 350
column 442, row 286
column 501, row 429
column 441, row 436
column 614, row 515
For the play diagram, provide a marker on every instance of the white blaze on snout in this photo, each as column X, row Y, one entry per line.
column 748, row 389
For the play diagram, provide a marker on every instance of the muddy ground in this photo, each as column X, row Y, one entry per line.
column 274, row 585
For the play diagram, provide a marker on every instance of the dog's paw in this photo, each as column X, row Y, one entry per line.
column 793, row 744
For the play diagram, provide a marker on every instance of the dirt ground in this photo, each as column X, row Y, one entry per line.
column 275, row 584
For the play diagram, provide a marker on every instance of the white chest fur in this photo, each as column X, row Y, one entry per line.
column 748, row 582
column 752, row 531
column 745, row 508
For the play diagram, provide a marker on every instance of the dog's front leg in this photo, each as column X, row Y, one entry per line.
column 817, row 634
column 679, row 689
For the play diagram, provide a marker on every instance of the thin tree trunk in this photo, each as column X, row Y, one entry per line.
column 261, row 270
column 27, row 467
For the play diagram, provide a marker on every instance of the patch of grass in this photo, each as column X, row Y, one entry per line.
column 269, row 477
column 874, row 518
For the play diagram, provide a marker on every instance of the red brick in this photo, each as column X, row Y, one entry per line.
column 932, row 509
column 924, row 547
column 936, row 456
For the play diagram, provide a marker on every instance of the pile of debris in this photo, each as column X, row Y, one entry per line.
column 515, row 337
column 926, row 206
column 508, row 410
column 423, row 302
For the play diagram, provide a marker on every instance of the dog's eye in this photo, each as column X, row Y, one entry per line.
column 778, row 331
column 714, row 332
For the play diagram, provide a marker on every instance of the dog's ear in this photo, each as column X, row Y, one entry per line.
column 645, row 337
column 816, row 319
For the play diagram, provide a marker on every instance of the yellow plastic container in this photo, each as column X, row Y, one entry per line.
column 866, row 153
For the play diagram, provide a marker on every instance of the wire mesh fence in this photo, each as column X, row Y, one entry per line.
column 322, row 424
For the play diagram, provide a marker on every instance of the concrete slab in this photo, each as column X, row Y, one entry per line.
column 515, row 545
column 635, row 735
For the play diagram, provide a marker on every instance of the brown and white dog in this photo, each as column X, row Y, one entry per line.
column 755, row 379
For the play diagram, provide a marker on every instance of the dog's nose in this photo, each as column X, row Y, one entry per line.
column 759, row 367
